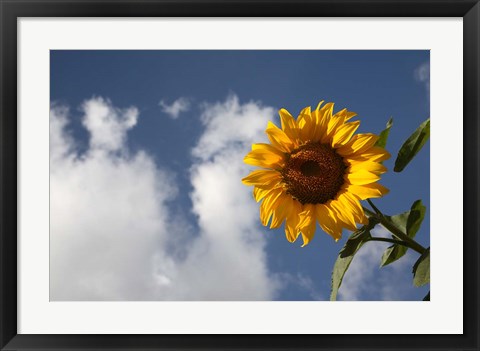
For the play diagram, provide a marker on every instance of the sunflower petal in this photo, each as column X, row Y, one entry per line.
column 362, row 177
column 259, row 193
column 349, row 115
column 307, row 111
column 344, row 213
column 368, row 190
column 374, row 154
column 370, row 166
column 358, row 144
column 264, row 155
column 262, row 178
column 322, row 119
column 319, row 105
column 354, row 205
column 345, row 113
column 269, row 148
column 327, row 112
column 316, row 116
column 278, row 138
column 327, row 219
column 261, row 160
column 289, row 125
column 293, row 218
column 264, row 215
column 282, row 207
column 333, row 125
column 306, row 124
column 307, row 223
column 269, row 205
column 344, row 133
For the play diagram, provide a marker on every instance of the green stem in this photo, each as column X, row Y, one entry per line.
column 375, row 207
column 392, row 241
column 396, row 231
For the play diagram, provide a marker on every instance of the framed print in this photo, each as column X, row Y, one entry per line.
column 218, row 175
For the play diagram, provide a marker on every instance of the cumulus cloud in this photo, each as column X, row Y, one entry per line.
column 115, row 237
column 106, row 124
column 230, row 239
column 175, row 108
column 107, row 208
column 231, row 126
column 422, row 74
column 365, row 280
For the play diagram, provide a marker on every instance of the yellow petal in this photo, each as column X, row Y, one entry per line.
column 306, row 124
column 373, row 167
column 362, row 177
column 316, row 117
column 345, row 113
column 280, row 211
column 293, row 218
column 333, row 125
column 259, row 193
column 319, row 105
column 344, row 212
column 278, row 138
column 268, row 205
column 374, row 154
column 307, row 223
column 327, row 112
column 262, row 160
column 264, row 157
column 368, row 190
column 322, row 118
column 358, row 144
column 264, row 215
column 355, row 206
column 289, row 125
column 328, row 221
column 344, row 133
column 269, row 148
column 307, row 111
column 262, row 178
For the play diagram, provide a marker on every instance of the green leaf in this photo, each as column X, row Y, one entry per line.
column 393, row 253
column 415, row 219
column 345, row 257
column 354, row 242
column 408, row 222
column 382, row 141
column 412, row 146
column 421, row 269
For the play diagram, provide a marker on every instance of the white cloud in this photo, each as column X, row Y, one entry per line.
column 113, row 235
column 231, row 126
column 106, row 124
column 178, row 106
column 422, row 74
column 230, row 241
column 107, row 209
column 365, row 280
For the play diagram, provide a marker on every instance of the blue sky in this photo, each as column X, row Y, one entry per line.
column 146, row 150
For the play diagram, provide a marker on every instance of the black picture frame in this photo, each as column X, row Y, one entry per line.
column 11, row 10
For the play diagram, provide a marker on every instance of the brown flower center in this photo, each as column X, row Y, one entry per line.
column 314, row 173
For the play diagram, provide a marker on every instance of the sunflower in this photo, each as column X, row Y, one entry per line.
column 315, row 169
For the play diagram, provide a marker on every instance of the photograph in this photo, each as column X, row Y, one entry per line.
column 246, row 175
column 239, row 175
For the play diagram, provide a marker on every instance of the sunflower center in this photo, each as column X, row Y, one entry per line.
column 314, row 173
